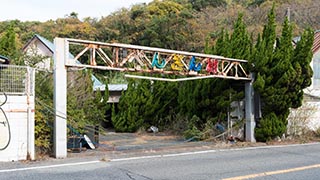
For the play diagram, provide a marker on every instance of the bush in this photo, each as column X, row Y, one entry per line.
column 269, row 128
column 209, row 129
column 128, row 121
column 43, row 131
column 192, row 134
column 176, row 123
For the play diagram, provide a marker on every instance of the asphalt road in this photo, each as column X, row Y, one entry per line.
column 282, row 162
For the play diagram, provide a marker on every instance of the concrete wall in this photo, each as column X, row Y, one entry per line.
column 304, row 118
column 315, row 64
column 20, row 113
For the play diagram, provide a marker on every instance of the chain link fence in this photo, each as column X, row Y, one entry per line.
column 17, row 80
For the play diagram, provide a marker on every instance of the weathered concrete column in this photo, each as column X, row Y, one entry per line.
column 60, row 98
column 30, row 113
column 250, row 121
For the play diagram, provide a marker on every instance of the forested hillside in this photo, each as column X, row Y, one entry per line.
column 174, row 24
column 244, row 29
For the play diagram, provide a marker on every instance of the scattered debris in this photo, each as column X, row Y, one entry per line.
column 89, row 142
column 220, row 127
column 153, row 129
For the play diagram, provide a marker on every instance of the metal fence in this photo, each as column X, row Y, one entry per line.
column 18, row 80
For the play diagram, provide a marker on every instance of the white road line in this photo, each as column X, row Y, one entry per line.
column 209, row 151
column 269, row 147
column 164, row 155
column 49, row 166
column 155, row 156
column 135, row 158
column 189, row 153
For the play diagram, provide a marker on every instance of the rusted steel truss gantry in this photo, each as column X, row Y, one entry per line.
column 133, row 58
column 147, row 60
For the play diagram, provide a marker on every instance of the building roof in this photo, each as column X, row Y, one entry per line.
column 116, row 87
column 50, row 46
column 316, row 42
column 96, row 83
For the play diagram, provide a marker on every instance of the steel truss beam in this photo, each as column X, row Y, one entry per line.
column 133, row 58
column 124, row 57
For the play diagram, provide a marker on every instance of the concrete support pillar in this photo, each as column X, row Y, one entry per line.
column 60, row 98
column 250, row 120
column 30, row 113
column 31, row 137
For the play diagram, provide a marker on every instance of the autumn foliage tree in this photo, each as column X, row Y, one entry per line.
column 281, row 70
column 8, row 45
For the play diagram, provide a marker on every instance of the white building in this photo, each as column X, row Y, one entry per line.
column 39, row 45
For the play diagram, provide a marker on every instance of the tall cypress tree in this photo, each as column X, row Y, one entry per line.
column 145, row 103
column 302, row 56
column 269, row 33
column 128, row 119
column 276, row 94
column 222, row 46
column 216, row 95
column 271, row 62
column 165, row 99
column 282, row 74
column 240, row 40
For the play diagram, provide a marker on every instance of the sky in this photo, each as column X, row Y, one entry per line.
column 43, row 10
